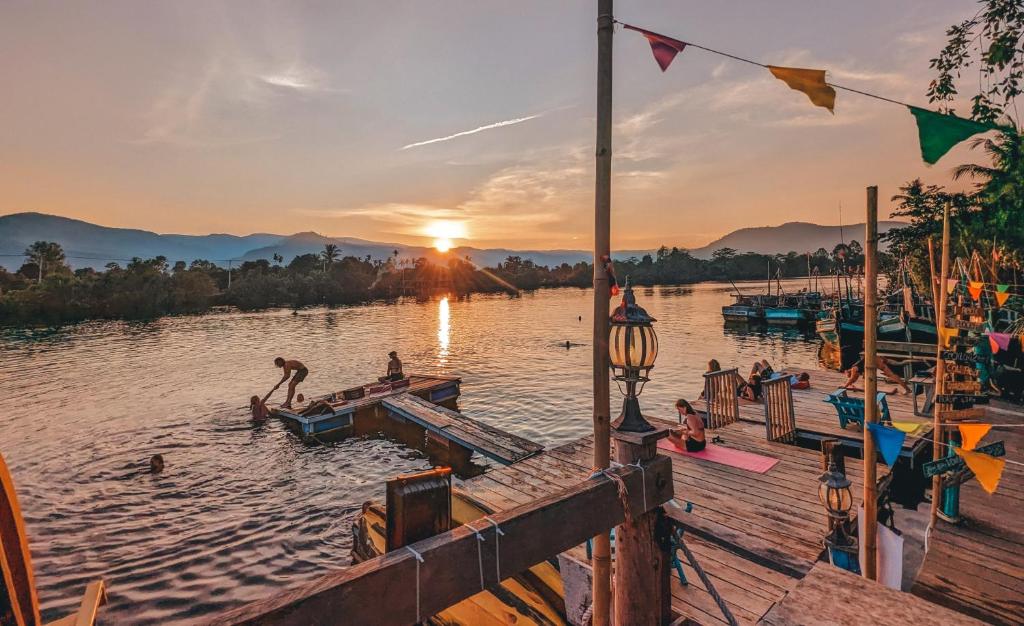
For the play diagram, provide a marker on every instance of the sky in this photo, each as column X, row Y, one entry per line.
column 381, row 119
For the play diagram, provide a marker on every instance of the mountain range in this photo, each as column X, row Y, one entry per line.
column 91, row 245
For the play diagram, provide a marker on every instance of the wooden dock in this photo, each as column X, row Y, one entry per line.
column 977, row 567
column 754, row 534
column 452, row 427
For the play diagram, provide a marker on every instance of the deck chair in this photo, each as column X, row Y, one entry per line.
column 852, row 409
column 779, row 416
column 720, row 394
column 19, row 603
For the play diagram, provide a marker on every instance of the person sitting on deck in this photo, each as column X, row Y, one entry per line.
column 803, row 381
column 690, row 433
column 290, row 366
column 763, row 369
column 258, row 408
column 317, row 407
column 751, row 389
column 394, row 369
column 854, row 373
column 713, row 366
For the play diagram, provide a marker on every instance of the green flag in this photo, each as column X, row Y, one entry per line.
column 938, row 132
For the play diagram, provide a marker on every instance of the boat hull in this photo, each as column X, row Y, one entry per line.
column 787, row 316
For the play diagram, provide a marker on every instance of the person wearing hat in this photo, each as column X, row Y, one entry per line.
column 394, row 369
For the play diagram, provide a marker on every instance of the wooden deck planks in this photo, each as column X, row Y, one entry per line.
column 489, row 441
column 977, row 567
column 834, row 596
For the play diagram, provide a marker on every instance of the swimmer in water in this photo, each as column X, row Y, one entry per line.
column 156, row 464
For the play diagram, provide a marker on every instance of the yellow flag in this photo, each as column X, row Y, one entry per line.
column 987, row 469
column 908, row 427
column 945, row 334
column 811, row 82
column 972, row 434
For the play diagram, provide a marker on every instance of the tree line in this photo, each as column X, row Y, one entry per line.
column 46, row 291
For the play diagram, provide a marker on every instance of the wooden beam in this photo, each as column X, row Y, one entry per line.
column 940, row 368
column 870, row 499
column 383, row 590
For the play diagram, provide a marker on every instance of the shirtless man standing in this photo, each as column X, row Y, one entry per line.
column 300, row 375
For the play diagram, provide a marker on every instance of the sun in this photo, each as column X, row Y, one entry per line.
column 444, row 232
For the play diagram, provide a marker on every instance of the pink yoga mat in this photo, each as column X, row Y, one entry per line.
column 725, row 456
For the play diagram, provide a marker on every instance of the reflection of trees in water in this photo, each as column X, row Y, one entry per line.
column 795, row 333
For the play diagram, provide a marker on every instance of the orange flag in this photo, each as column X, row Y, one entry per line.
column 972, row 434
column 975, row 288
column 987, row 469
column 811, row 82
column 945, row 334
column 1002, row 297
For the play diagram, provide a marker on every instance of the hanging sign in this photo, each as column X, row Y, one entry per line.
column 956, row 324
column 955, row 463
column 961, row 401
column 962, row 414
column 964, row 386
column 971, row 311
column 960, row 370
column 960, row 357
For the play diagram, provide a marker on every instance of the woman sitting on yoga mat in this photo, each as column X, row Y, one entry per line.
column 690, row 434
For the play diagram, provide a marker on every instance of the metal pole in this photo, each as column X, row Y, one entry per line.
column 870, row 383
column 940, row 367
column 602, row 563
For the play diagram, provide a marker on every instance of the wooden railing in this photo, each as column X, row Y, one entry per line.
column 397, row 588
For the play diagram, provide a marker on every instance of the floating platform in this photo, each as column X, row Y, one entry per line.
column 449, row 427
column 333, row 416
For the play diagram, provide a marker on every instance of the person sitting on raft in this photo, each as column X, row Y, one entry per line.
column 289, row 366
column 258, row 408
column 854, row 373
column 690, row 433
column 394, row 369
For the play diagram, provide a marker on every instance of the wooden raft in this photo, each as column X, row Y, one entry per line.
column 494, row 443
column 977, row 567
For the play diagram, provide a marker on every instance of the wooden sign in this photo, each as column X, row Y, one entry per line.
column 960, row 401
column 955, row 324
column 963, row 386
column 972, row 311
column 960, row 357
column 955, row 463
column 962, row 414
column 960, row 370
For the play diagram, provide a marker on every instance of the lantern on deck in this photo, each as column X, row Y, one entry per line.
column 834, row 493
column 632, row 349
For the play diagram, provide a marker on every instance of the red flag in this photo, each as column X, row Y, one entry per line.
column 664, row 48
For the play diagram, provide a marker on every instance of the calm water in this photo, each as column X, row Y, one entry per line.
column 241, row 511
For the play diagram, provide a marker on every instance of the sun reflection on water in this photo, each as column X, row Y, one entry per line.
column 443, row 331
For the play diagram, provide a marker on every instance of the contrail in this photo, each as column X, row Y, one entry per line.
column 518, row 120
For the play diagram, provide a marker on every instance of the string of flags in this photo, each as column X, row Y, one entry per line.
column 1001, row 292
column 988, row 469
column 937, row 132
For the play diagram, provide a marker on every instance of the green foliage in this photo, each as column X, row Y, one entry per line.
column 996, row 31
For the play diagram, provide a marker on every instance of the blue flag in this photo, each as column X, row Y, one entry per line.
column 888, row 440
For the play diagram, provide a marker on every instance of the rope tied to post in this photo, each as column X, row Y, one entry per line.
column 497, row 547
column 643, row 481
column 479, row 553
column 419, row 559
column 621, row 486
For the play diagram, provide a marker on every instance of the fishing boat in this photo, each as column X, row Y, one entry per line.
column 355, row 410
column 746, row 308
column 422, row 505
column 793, row 310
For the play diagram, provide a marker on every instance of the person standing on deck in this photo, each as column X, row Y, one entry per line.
column 394, row 369
column 290, row 366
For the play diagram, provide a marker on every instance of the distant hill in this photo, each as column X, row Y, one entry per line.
column 90, row 245
column 789, row 237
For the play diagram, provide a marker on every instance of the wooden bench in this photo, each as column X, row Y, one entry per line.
column 17, row 579
column 852, row 409
column 720, row 394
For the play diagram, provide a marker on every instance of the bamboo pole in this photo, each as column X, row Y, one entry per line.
column 602, row 562
column 940, row 368
column 936, row 287
column 870, row 383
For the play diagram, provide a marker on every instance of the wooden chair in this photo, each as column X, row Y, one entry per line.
column 720, row 394
column 19, row 603
column 779, row 416
column 852, row 409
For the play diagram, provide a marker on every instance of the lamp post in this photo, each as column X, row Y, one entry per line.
column 632, row 349
column 834, row 493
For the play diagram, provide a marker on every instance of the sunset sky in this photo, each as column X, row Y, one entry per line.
column 376, row 119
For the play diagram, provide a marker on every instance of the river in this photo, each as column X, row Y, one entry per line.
column 242, row 511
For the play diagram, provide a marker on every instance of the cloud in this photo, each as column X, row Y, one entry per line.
column 518, row 120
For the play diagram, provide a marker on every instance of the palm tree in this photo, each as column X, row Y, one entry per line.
column 330, row 254
column 47, row 255
column 278, row 259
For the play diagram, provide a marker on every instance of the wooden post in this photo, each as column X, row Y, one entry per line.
column 642, row 562
column 870, row 382
column 937, row 289
column 940, row 366
column 602, row 562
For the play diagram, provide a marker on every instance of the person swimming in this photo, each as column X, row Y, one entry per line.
column 690, row 433
column 156, row 463
column 258, row 409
